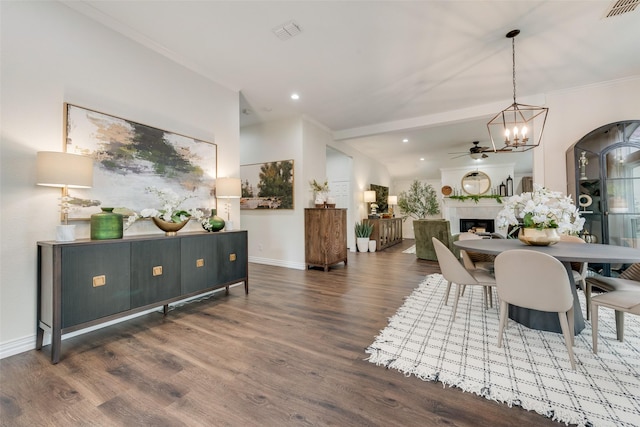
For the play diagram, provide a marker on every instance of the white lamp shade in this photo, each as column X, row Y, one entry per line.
column 57, row 169
column 392, row 200
column 229, row 188
column 369, row 196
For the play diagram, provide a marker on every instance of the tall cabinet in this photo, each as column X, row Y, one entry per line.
column 603, row 171
column 325, row 237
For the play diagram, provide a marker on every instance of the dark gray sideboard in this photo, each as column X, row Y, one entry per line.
column 88, row 282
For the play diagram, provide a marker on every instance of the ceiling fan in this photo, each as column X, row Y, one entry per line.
column 475, row 152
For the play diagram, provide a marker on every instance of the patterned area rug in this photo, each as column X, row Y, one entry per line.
column 410, row 250
column 531, row 369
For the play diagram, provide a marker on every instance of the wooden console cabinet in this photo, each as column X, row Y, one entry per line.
column 325, row 237
column 88, row 282
column 386, row 231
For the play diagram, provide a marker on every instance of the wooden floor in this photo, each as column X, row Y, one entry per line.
column 292, row 352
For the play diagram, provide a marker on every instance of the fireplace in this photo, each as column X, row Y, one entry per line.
column 467, row 224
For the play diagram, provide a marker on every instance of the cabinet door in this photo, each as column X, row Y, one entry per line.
column 155, row 271
column 232, row 256
column 198, row 262
column 95, row 282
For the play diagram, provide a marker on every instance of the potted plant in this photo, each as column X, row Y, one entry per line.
column 419, row 202
column 363, row 232
column 320, row 192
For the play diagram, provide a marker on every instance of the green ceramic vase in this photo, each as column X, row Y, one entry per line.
column 214, row 222
column 106, row 225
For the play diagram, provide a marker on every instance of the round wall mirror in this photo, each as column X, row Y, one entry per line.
column 476, row 183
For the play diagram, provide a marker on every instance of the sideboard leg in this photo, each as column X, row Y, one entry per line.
column 246, row 287
column 39, row 338
column 56, row 342
column 165, row 310
column 226, row 290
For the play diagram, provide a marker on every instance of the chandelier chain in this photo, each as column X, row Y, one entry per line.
column 513, row 58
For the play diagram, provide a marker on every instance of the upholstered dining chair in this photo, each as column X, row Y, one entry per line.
column 537, row 281
column 622, row 302
column 454, row 272
column 475, row 260
column 629, row 280
column 579, row 269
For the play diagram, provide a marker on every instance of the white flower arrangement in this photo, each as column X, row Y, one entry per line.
column 541, row 209
column 170, row 210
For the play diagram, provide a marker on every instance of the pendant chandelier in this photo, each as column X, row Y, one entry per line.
column 512, row 129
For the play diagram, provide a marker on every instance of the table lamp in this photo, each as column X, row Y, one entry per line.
column 392, row 201
column 228, row 188
column 64, row 170
column 370, row 197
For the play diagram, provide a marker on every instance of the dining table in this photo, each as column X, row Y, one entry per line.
column 565, row 252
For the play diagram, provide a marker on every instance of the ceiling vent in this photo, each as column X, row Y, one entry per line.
column 286, row 31
column 620, row 7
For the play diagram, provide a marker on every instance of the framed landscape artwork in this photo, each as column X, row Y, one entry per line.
column 129, row 157
column 382, row 197
column 267, row 185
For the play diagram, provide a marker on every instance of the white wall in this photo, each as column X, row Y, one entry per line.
column 573, row 114
column 51, row 54
column 365, row 171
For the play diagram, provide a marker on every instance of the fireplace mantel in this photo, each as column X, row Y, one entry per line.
column 454, row 209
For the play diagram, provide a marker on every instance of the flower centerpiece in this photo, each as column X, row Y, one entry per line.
column 541, row 214
column 170, row 217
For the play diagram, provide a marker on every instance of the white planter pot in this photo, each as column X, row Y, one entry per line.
column 372, row 245
column 362, row 243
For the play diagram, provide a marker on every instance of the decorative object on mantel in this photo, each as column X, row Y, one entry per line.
column 214, row 222
column 476, row 198
column 106, row 225
column 64, row 170
column 170, row 218
column 509, row 189
column 446, row 190
column 516, row 122
column 541, row 209
column 419, row 201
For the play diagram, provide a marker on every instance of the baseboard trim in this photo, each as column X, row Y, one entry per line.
column 278, row 263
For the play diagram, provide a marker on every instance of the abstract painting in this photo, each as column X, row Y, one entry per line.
column 129, row 157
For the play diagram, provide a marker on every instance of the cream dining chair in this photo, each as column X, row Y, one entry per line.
column 578, row 269
column 537, row 281
column 454, row 272
column 622, row 302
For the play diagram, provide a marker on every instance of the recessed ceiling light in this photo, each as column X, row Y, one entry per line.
column 422, row 159
column 295, row 96
column 405, row 140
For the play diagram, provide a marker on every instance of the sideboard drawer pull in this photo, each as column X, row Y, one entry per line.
column 157, row 270
column 99, row 280
column 232, row 257
column 200, row 263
